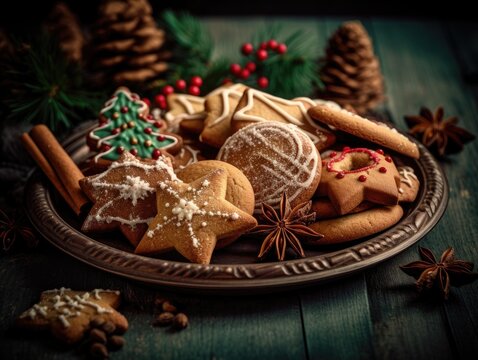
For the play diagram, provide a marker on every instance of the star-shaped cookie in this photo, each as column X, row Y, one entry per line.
column 124, row 196
column 191, row 217
column 68, row 313
column 354, row 175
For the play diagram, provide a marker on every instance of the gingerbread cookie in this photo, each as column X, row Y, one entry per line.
column 124, row 196
column 127, row 126
column 324, row 209
column 354, row 175
column 275, row 157
column 220, row 105
column 375, row 132
column 184, row 107
column 409, row 184
column 68, row 314
column 356, row 226
column 239, row 190
column 257, row 106
column 191, row 217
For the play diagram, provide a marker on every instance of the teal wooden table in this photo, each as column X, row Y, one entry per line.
column 375, row 314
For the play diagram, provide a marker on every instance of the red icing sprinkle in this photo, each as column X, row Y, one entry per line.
column 346, row 148
column 388, row 159
column 324, row 162
column 124, row 109
column 120, row 149
column 380, row 151
column 105, row 147
column 135, row 97
column 156, row 154
column 383, row 170
column 332, row 154
column 362, row 178
column 134, row 152
column 372, row 155
column 116, row 131
column 340, row 175
column 150, row 117
column 148, row 131
column 158, row 124
column 160, row 137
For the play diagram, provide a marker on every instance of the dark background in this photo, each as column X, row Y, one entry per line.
column 21, row 15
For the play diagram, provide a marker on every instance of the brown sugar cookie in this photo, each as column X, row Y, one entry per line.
column 191, row 217
column 239, row 190
column 409, row 184
column 354, row 175
column 68, row 314
column 375, row 132
column 324, row 209
column 276, row 158
column 184, row 107
column 257, row 106
column 356, row 226
column 220, row 105
column 124, row 196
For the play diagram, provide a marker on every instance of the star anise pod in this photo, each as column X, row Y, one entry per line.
column 13, row 229
column 284, row 228
column 431, row 274
column 441, row 136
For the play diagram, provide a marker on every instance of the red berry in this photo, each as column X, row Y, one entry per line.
column 162, row 105
column 196, row 81
column 263, row 45
column 362, row 178
column 251, row 66
column 194, row 90
column 133, row 152
column 180, row 84
column 263, row 82
column 261, row 54
column 158, row 99
column 167, row 90
column 124, row 109
column 156, row 154
column 247, row 49
column 148, row 130
column 281, row 48
column 235, row 69
column 244, row 74
column 272, row 44
column 146, row 101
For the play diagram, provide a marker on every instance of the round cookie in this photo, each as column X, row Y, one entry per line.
column 276, row 158
column 239, row 190
column 356, row 226
column 376, row 132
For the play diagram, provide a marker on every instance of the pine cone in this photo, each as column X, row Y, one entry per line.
column 6, row 47
column 351, row 72
column 127, row 45
column 63, row 24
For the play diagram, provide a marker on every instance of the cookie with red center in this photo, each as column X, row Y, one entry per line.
column 354, row 175
column 124, row 196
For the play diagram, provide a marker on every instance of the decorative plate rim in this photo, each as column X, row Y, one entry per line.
column 240, row 277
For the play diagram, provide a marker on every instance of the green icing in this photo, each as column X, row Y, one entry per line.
column 123, row 139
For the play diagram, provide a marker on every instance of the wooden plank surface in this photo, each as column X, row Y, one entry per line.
column 375, row 314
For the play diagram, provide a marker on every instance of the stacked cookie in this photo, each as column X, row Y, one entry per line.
column 239, row 153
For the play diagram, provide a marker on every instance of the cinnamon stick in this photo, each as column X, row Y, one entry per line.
column 42, row 162
column 66, row 170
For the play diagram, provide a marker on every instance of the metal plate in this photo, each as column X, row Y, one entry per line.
column 235, row 268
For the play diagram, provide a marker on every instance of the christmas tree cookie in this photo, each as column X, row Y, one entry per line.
column 127, row 126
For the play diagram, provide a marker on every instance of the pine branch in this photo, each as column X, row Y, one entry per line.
column 45, row 87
